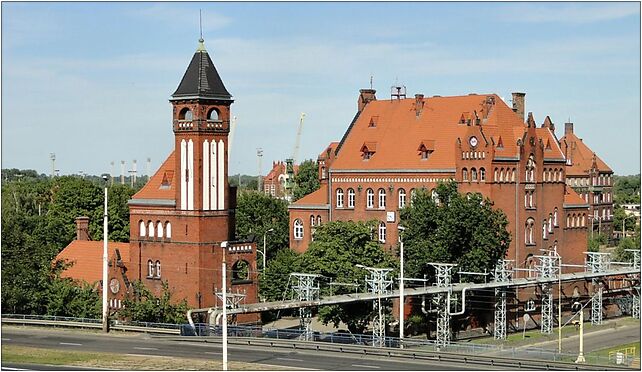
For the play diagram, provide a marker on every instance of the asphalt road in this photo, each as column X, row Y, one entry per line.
column 597, row 340
column 143, row 345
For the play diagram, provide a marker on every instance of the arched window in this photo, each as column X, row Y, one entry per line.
column 512, row 177
column 158, row 270
column 350, row 198
column 402, row 198
column 185, row 114
column 298, row 229
column 318, row 220
column 496, row 175
column 369, row 198
column 501, row 175
column 212, row 115
column 382, row 232
column 339, row 198
column 568, row 220
column 150, row 269
column 573, row 220
column 528, row 232
column 550, row 223
column 482, row 174
column 168, row 229
column 240, row 271
column 150, row 229
column 583, row 219
column 464, row 174
column 555, row 217
column 141, row 228
column 473, row 174
column 382, row 199
column 544, row 230
column 434, row 196
column 530, row 169
column 159, row 229
column 312, row 220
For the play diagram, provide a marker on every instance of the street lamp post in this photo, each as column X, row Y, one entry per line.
column 578, row 307
column 224, row 278
column 401, row 287
column 265, row 246
column 105, row 264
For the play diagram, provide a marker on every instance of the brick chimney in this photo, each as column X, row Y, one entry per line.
column 518, row 104
column 365, row 96
column 568, row 128
column 82, row 228
column 419, row 103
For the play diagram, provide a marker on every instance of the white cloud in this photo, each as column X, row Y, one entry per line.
column 569, row 13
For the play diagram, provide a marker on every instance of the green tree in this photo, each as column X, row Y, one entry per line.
column 306, row 180
column 67, row 297
column 256, row 213
column 619, row 215
column 452, row 228
column 626, row 189
column 620, row 253
column 596, row 241
column 146, row 307
column 274, row 281
column 337, row 248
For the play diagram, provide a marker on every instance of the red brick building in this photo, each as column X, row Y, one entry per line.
column 182, row 215
column 591, row 178
column 274, row 182
column 397, row 145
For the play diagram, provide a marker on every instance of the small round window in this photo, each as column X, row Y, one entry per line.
column 241, row 270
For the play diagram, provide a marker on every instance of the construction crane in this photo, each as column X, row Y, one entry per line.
column 289, row 163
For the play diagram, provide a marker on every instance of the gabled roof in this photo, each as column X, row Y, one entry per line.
column 201, row 80
column 581, row 156
column 399, row 132
column 317, row 199
column 552, row 150
column 86, row 257
column 161, row 184
column 278, row 169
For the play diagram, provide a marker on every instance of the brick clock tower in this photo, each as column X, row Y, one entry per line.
column 180, row 217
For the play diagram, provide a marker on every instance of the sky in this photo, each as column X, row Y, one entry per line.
column 90, row 82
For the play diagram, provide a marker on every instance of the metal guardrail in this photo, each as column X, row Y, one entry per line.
column 71, row 322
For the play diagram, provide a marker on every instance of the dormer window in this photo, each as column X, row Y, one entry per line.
column 373, row 122
column 368, row 149
column 426, row 148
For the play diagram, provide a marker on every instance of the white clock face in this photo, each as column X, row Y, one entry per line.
column 114, row 285
column 473, row 141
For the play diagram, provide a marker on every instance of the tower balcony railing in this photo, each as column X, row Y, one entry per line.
column 201, row 125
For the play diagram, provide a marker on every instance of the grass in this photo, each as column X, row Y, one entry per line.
column 605, row 352
column 21, row 354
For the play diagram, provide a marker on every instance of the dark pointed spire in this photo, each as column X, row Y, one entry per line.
column 201, row 80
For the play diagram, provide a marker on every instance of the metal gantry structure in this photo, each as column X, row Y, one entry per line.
column 306, row 288
column 441, row 300
column 233, row 300
column 378, row 283
column 503, row 273
column 635, row 300
column 597, row 262
column 547, row 267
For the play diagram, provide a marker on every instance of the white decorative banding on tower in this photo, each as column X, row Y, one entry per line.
column 221, row 173
column 183, row 175
column 190, row 173
column 213, row 176
column 206, row 175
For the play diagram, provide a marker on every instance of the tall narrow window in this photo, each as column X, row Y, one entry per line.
column 370, row 198
column 158, row 270
column 496, row 175
column 550, row 223
column 402, row 198
column 318, row 220
column 339, row 198
column 350, row 198
column 473, row 174
column 150, row 229
column 312, row 219
column 142, row 228
column 382, row 199
column 530, row 169
column 150, row 269
column 159, row 229
column 544, row 230
column 298, row 229
column 382, row 232
column 528, row 232
column 434, row 196
column 464, row 174
column 482, row 174
column 555, row 217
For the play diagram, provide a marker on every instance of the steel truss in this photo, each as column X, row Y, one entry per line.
column 305, row 289
column 598, row 262
column 547, row 268
column 635, row 293
column 443, row 273
column 503, row 273
column 378, row 284
column 233, row 300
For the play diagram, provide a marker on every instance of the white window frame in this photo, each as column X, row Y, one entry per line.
column 168, row 229
column 382, row 232
column 141, row 227
column 339, row 198
column 402, row 198
column 158, row 269
column 150, row 268
column 298, row 229
column 370, row 198
column 382, row 199
column 350, row 198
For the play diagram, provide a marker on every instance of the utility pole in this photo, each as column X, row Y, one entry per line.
column 105, row 265
column 598, row 262
column 378, row 283
column 224, row 280
column 122, row 172
column 578, row 307
column 111, row 175
column 443, row 273
column 401, row 229
column 52, row 156
column 503, row 274
column 306, row 290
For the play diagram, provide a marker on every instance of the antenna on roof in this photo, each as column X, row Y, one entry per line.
column 200, row 25
column 370, row 81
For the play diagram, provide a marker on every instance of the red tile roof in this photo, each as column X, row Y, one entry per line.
column 571, row 198
column 87, row 258
column 581, row 156
column 316, row 198
column 160, row 185
column 279, row 168
column 399, row 132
